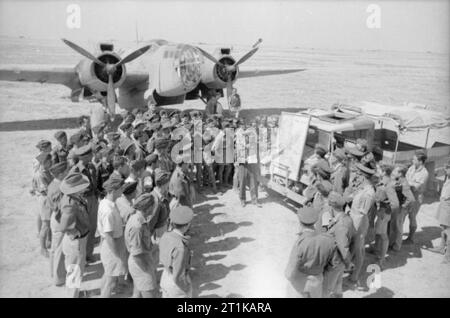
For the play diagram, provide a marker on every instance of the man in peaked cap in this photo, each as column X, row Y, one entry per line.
column 44, row 146
column 164, row 160
column 74, row 223
column 319, row 156
column 149, row 173
column 340, row 174
column 318, row 190
column 363, row 201
column 310, row 257
column 86, row 167
column 39, row 188
column 139, row 245
column 54, row 196
column 140, row 141
column 342, row 229
column 175, row 255
column 161, row 194
column 61, row 150
column 126, row 129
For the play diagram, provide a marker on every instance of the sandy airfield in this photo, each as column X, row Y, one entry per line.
column 237, row 251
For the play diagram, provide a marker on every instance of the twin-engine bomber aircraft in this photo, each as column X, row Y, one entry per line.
column 161, row 73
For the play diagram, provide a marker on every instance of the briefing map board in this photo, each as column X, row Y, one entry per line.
column 292, row 133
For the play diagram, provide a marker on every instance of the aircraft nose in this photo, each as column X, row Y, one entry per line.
column 189, row 67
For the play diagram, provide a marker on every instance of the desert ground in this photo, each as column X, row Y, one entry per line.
column 238, row 252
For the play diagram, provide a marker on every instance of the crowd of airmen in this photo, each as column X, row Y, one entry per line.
column 125, row 187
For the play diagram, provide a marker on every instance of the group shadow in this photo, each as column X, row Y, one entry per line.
column 210, row 243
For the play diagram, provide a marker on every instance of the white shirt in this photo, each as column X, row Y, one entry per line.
column 417, row 178
column 109, row 219
column 124, row 207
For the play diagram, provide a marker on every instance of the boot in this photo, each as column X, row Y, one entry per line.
column 441, row 248
column 410, row 239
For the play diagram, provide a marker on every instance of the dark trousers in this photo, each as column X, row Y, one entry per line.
column 92, row 203
column 248, row 174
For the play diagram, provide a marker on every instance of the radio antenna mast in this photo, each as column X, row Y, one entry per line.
column 137, row 32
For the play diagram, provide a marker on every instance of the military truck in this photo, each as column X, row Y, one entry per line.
column 341, row 126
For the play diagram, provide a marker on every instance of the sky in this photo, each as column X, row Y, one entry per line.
column 415, row 25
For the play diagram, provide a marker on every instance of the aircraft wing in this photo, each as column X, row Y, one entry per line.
column 246, row 72
column 65, row 75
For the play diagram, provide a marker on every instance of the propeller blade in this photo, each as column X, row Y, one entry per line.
column 246, row 56
column 111, row 95
column 83, row 52
column 133, row 55
column 257, row 43
column 209, row 56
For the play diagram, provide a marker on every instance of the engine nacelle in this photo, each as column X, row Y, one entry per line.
column 94, row 76
column 216, row 75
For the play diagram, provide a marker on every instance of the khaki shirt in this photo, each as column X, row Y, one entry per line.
column 74, row 217
column 54, row 196
column 343, row 231
column 59, row 154
column 386, row 195
column 138, row 237
column 339, row 178
column 41, row 180
column 175, row 256
column 363, row 200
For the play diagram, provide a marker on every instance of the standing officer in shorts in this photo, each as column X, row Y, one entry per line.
column 54, row 196
column 75, row 226
column 138, row 240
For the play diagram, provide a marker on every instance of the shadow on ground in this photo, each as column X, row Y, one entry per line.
column 210, row 245
column 423, row 239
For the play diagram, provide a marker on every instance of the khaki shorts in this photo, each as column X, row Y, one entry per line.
column 74, row 251
column 43, row 208
column 144, row 279
column 114, row 266
column 171, row 290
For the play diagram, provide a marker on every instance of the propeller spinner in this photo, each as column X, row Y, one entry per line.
column 228, row 70
column 109, row 68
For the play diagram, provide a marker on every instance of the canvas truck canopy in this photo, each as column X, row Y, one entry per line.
column 415, row 124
